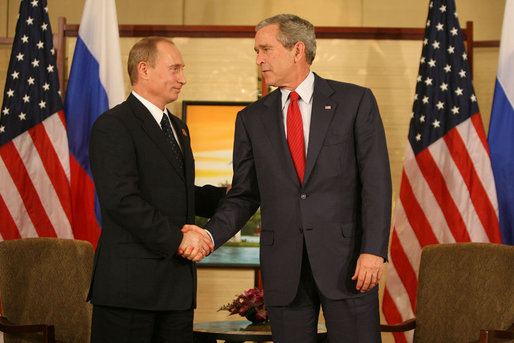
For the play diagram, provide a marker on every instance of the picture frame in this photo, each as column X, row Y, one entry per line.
column 211, row 127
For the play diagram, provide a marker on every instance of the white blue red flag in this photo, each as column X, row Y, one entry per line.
column 95, row 85
column 501, row 127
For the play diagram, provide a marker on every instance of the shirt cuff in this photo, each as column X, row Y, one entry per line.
column 212, row 238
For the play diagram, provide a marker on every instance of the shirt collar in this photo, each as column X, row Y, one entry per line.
column 304, row 90
column 154, row 110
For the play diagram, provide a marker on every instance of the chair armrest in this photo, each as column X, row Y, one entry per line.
column 485, row 335
column 407, row 325
column 10, row 328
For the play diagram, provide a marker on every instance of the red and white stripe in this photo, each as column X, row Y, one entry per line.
column 447, row 195
column 35, row 196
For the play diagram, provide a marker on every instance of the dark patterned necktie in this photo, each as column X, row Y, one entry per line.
column 295, row 135
column 166, row 129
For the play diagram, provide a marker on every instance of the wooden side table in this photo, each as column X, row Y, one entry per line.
column 239, row 331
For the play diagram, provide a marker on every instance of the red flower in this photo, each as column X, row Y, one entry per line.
column 250, row 303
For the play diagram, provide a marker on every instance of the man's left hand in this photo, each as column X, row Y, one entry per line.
column 368, row 271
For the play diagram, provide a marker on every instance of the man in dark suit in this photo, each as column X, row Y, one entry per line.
column 143, row 168
column 313, row 155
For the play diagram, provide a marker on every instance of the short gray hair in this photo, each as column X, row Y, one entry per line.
column 293, row 29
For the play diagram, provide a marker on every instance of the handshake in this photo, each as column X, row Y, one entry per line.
column 196, row 243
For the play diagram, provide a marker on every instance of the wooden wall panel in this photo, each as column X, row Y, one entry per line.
column 217, row 287
column 250, row 12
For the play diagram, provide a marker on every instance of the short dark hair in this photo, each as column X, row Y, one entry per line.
column 143, row 50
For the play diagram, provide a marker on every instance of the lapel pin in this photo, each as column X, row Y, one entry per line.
column 184, row 132
column 328, row 107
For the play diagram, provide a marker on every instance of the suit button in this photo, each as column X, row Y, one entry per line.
column 303, row 196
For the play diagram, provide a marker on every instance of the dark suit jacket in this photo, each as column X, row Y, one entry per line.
column 343, row 207
column 145, row 200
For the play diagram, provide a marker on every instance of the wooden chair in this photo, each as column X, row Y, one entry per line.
column 43, row 288
column 463, row 288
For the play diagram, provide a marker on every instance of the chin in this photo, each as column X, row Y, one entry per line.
column 270, row 82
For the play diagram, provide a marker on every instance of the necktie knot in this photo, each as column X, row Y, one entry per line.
column 294, row 96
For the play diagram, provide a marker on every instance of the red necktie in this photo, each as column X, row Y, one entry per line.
column 295, row 135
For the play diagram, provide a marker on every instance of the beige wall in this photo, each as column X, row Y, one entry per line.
column 224, row 69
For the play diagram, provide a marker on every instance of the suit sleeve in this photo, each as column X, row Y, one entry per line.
column 243, row 199
column 207, row 199
column 115, row 172
column 374, row 171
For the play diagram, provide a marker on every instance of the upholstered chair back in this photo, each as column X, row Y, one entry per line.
column 463, row 288
column 45, row 281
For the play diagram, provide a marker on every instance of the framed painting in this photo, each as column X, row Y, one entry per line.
column 211, row 127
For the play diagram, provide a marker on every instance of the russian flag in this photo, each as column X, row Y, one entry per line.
column 501, row 127
column 95, row 85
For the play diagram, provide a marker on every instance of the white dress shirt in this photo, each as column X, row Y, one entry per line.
column 157, row 113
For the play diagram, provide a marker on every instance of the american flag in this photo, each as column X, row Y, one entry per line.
column 447, row 191
column 34, row 157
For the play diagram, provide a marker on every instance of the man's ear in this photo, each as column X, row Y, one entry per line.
column 142, row 70
column 299, row 51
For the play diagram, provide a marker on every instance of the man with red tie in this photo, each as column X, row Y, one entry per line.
column 312, row 154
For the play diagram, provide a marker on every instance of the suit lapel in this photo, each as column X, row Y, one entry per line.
column 273, row 121
column 185, row 144
column 189, row 162
column 153, row 130
column 323, row 109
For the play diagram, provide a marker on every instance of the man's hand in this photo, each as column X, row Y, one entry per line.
column 196, row 243
column 368, row 271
